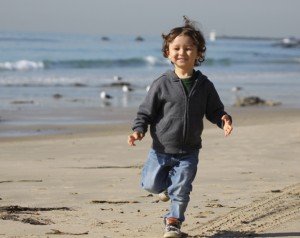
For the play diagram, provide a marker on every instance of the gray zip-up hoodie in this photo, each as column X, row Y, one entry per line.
column 176, row 119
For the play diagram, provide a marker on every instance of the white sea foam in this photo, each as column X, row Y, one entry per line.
column 151, row 60
column 154, row 61
column 11, row 80
column 21, row 65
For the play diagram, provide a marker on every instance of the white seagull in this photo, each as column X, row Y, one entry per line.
column 105, row 96
column 126, row 89
column 236, row 89
column 117, row 78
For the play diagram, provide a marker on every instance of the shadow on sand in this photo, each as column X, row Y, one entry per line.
column 239, row 234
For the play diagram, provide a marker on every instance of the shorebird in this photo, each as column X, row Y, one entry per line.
column 105, row 96
column 126, row 89
column 117, row 78
column 236, row 89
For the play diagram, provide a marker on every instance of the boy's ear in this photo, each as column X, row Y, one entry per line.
column 167, row 53
column 199, row 55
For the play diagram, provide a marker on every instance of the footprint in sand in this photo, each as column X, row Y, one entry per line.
column 258, row 216
column 204, row 214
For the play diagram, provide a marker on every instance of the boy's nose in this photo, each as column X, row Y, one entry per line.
column 181, row 52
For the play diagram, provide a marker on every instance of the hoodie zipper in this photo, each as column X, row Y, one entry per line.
column 186, row 116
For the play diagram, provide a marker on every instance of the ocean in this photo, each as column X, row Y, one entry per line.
column 57, row 71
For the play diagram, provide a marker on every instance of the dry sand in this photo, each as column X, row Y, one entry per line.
column 86, row 183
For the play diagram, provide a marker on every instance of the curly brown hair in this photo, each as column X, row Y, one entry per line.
column 188, row 29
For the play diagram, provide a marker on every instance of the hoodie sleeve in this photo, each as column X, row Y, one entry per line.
column 214, row 107
column 147, row 110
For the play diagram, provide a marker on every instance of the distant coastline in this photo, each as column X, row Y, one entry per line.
column 249, row 37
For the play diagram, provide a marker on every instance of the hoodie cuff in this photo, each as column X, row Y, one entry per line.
column 139, row 129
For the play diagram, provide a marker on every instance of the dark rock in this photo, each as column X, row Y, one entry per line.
column 139, row 38
column 105, row 38
column 57, row 96
column 254, row 101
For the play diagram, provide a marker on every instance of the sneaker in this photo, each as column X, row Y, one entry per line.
column 164, row 196
column 172, row 229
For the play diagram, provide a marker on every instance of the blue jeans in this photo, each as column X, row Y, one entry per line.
column 174, row 173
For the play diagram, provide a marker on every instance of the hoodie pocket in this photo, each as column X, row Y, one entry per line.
column 171, row 131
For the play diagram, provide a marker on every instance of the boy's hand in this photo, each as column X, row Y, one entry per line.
column 227, row 125
column 133, row 137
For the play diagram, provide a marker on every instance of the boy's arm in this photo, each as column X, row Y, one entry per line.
column 147, row 111
column 215, row 111
column 214, row 107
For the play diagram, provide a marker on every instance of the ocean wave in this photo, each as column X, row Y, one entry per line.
column 105, row 63
column 222, row 62
column 47, row 81
column 148, row 61
column 229, row 61
column 21, row 65
column 82, row 63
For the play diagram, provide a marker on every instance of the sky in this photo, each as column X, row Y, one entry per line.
column 264, row 18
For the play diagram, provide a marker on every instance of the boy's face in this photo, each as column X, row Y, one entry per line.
column 182, row 52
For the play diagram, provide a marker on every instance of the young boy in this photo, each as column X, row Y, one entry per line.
column 174, row 108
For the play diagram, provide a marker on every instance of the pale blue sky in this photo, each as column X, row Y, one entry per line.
column 274, row 18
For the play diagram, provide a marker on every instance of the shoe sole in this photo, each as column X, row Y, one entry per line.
column 171, row 235
column 163, row 197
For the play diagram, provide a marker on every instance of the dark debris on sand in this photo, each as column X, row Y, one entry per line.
column 28, row 215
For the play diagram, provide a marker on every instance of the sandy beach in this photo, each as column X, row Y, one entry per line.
column 84, row 180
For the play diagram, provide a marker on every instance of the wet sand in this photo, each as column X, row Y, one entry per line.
column 84, row 180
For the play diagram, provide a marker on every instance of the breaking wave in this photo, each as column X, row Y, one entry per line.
column 149, row 61
column 23, row 65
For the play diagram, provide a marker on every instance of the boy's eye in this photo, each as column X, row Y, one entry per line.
column 190, row 48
